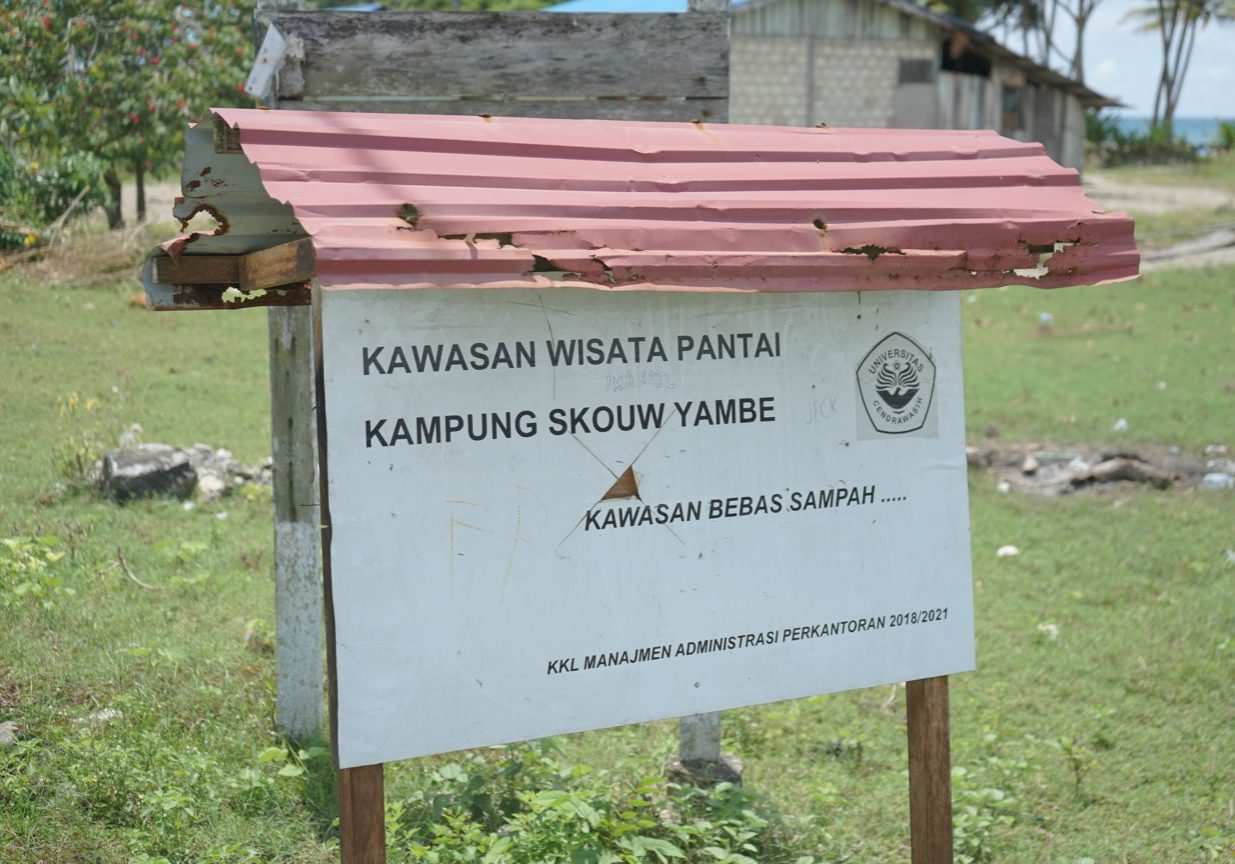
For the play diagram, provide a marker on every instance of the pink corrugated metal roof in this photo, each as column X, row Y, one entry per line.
column 444, row 201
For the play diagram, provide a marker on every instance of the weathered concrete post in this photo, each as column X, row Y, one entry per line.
column 699, row 760
column 299, row 618
column 297, row 561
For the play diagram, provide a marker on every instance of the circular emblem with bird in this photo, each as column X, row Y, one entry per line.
column 897, row 384
column 896, row 381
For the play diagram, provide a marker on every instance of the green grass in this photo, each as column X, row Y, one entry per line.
column 1154, row 351
column 1218, row 170
column 1113, row 740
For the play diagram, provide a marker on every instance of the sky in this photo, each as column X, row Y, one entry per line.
column 1124, row 64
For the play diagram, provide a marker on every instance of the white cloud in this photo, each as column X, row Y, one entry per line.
column 1106, row 71
column 1123, row 63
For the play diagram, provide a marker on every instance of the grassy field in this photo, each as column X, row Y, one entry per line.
column 1158, row 227
column 1215, row 171
column 1099, row 727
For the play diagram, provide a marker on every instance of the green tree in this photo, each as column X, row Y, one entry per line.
column 1177, row 22
column 118, row 79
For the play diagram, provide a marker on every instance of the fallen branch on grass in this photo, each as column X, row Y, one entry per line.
column 124, row 567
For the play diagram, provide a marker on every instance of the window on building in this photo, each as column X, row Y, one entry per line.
column 1012, row 108
column 915, row 71
column 963, row 60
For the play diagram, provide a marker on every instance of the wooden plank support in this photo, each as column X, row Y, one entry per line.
column 285, row 264
column 199, row 297
column 930, row 771
column 278, row 265
column 362, row 815
column 198, row 270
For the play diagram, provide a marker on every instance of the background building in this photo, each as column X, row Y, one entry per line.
column 886, row 63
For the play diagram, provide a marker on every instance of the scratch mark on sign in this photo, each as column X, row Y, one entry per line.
column 602, row 462
column 552, row 338
column 624, row 486
column 542, row 306
column 454, row 520
column 514, row 545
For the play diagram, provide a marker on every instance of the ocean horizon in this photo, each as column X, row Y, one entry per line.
column 1194, row 130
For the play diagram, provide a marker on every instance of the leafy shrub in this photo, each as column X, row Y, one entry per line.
column 85, row 419
column 28, row 571
column 1226, row 135
column 151, row 793
column 33, row 195
column 1110, row 144
column 519, row 805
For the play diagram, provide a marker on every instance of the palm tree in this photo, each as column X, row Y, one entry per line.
column 1177, row 23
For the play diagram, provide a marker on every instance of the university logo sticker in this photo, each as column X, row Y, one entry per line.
column 897, row 383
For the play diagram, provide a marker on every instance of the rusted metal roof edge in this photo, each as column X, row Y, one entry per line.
column 391, row 253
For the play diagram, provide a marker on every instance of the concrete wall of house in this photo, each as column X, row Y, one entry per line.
column 768, row 80
column 1073, row 151
column 804, row 80
column 1057, row 119
column 966, row 101
column 1047, row 114
column 804, row 62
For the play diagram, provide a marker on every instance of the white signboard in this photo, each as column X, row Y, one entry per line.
column 562, row 510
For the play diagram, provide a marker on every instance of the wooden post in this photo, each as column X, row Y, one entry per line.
column 930, row 771
column 362, row 825
column 297, row 564
column 362, row 801
column 699, row 734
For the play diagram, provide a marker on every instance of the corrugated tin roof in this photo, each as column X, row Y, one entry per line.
column 444, row 201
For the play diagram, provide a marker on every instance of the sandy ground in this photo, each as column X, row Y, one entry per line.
column 1154, row 199
column 159, row 197
column 1134, row 198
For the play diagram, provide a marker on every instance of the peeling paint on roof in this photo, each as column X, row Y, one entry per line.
column 464, row 202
